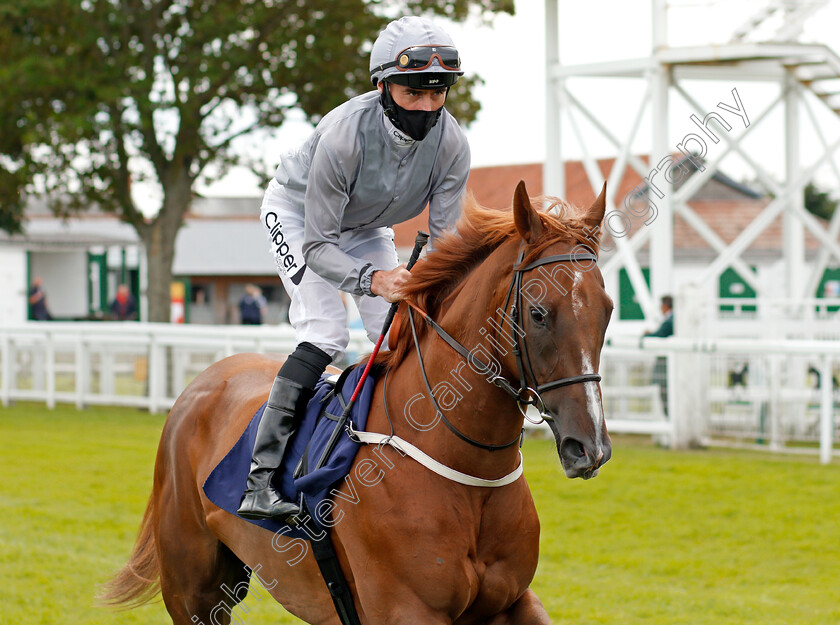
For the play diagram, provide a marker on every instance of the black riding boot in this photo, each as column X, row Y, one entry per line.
column 291, row 390
column 260, row 500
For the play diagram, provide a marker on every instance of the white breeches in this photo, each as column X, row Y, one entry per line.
column 317, row 310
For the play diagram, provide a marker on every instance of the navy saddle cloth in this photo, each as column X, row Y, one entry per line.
column 226, row 483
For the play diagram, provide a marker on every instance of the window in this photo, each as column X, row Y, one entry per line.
column 629, row 308
column 733, row 286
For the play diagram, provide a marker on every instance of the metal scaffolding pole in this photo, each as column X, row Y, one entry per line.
column 554, row 171
column 798, row 69
column 662, row 236
column 793, row 231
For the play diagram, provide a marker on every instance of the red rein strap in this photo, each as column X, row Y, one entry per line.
column 419, row 243
column 367, row 370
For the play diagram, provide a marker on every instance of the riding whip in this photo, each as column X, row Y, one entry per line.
column 419, row 243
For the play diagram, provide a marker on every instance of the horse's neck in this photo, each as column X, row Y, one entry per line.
column 479, row 410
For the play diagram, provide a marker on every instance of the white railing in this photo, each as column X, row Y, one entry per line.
column 728, row 390
column 633, row 401
column 723, row 390
column 125, row 363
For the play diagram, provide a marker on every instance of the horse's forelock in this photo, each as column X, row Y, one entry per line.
column 568, row 228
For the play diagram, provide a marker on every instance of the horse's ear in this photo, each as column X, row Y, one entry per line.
column 527, row 220
column 595, row 215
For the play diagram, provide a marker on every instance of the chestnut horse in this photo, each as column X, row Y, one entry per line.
column 522, row 294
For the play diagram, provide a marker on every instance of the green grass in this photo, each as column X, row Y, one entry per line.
column 659, row 538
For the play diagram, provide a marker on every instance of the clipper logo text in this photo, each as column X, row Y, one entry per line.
column 285, row 258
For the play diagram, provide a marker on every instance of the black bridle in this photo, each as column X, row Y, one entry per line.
column 529, row 391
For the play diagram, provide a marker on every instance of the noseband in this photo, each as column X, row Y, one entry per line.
column 530, row 390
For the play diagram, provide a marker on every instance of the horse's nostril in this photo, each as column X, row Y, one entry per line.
column 572, row 451
column 580, row 460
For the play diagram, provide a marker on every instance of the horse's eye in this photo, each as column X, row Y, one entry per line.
column 538, row 316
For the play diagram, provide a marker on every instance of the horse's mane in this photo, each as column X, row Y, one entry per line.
column 479, row 231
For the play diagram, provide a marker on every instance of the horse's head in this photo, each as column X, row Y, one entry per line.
column 563, row 316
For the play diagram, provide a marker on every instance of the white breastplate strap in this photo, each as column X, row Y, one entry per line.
column 403, row 446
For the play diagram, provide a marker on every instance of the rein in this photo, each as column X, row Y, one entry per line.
column 524, row 364
column 407, row 449
column 528, row 394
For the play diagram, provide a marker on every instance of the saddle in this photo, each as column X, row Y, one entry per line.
column 304, row 475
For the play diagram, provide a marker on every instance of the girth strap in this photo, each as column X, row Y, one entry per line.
column 327, row 559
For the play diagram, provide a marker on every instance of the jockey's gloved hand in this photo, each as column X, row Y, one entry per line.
column 388, row 284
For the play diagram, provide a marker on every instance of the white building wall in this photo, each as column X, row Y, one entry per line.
column 769, row 275
column 65, row 281
column 13, row 287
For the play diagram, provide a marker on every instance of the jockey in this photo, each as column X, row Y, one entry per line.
column 375, row 161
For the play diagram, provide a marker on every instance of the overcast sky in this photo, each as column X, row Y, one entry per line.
column 509, row 55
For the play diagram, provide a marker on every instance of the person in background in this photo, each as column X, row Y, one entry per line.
column 252, row 306
column 38, row 302
column 666, row 328
column 660, row 367
column 124, row 306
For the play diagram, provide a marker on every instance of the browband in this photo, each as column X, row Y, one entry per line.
column 558, row 258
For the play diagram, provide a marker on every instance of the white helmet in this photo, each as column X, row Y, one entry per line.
column 415, row 52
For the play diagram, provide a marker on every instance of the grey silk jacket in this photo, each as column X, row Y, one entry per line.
column 365, row 174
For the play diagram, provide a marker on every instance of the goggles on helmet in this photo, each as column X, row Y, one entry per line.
column 418, row 58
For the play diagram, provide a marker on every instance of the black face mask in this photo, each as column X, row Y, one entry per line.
column 416, row 124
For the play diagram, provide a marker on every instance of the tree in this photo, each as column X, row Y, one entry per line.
column 100, row 94
column 818, row 202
